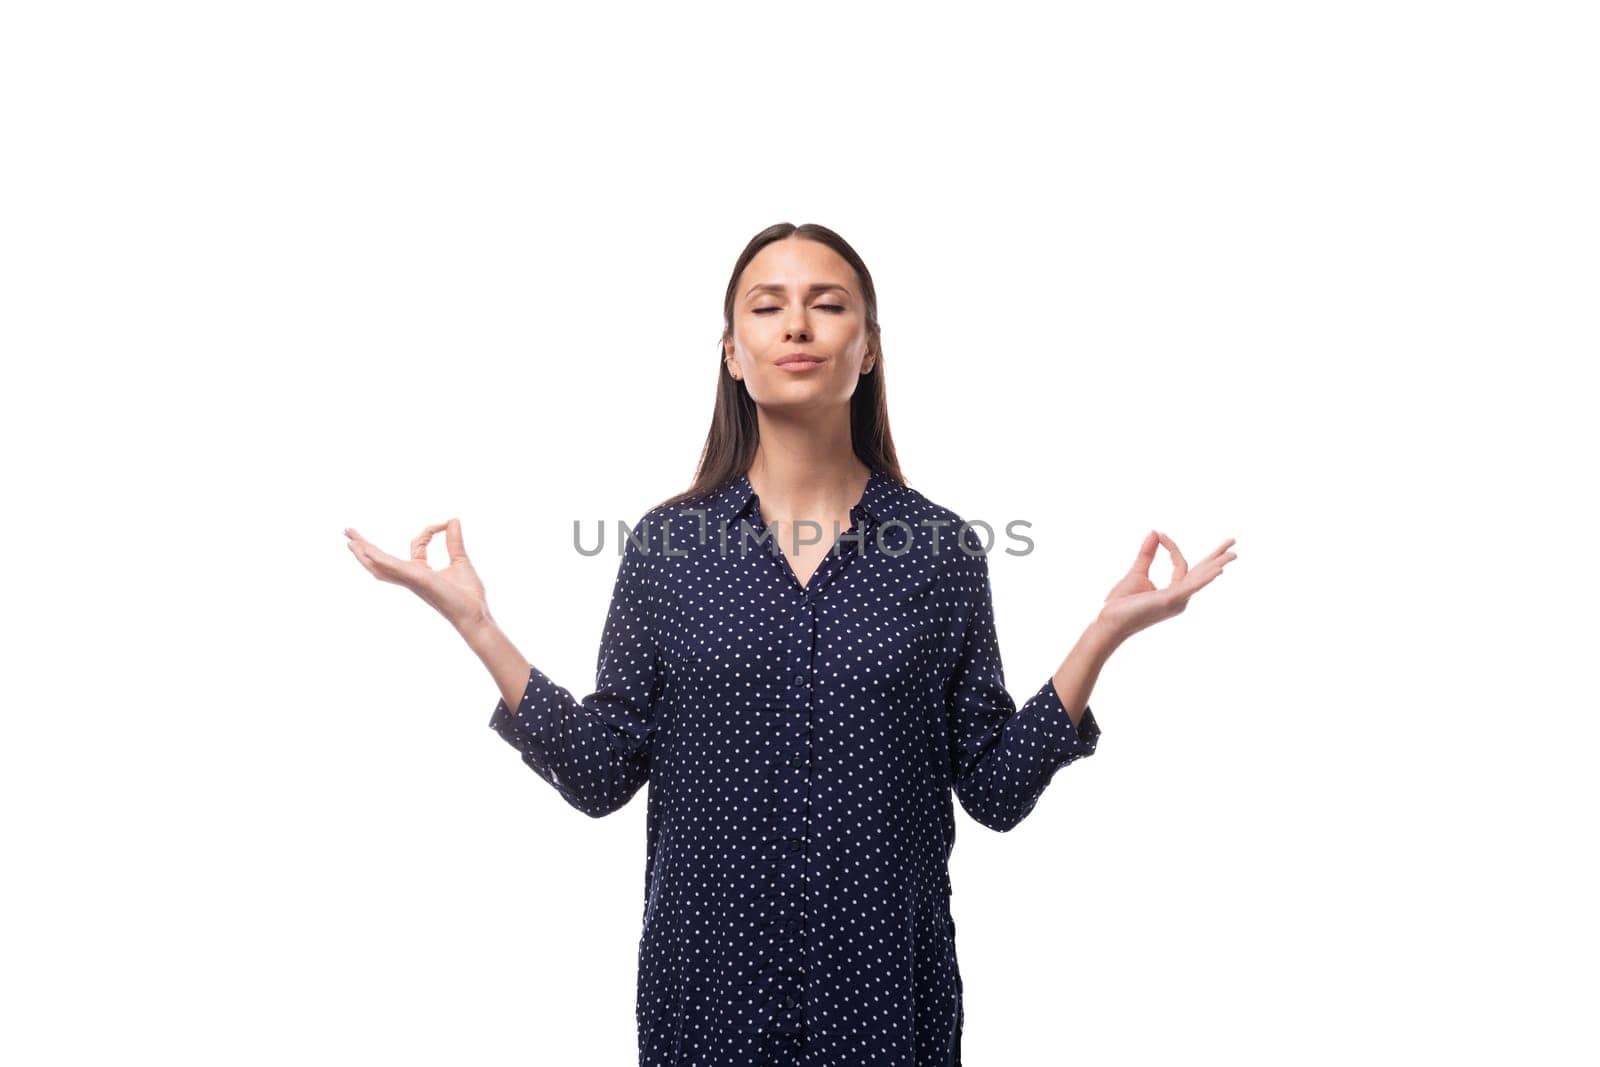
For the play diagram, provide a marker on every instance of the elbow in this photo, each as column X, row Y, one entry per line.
column 598, row 809
column 592, row 798
column 1004, row 820
column 595, row 786
column 990, row 811
column 601, row 798
column 596, row 803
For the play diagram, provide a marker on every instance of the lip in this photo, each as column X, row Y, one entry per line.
column 800, row 361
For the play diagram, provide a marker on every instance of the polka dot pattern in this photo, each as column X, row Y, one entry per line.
column 802, row 743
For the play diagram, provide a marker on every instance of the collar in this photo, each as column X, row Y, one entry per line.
column 883, row 499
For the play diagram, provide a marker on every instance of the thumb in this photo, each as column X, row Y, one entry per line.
column 1146, row 556
column 454, row 546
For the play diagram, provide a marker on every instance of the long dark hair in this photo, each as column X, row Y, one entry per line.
column 730, row 445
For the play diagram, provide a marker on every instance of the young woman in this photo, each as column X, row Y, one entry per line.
column 803, row 706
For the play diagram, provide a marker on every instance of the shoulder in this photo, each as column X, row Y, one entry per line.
column 646, row 531
column 667, row 526
column 933, row 523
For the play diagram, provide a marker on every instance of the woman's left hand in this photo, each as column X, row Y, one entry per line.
column 1135, row 603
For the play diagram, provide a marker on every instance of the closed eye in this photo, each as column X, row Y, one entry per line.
column 835, row 308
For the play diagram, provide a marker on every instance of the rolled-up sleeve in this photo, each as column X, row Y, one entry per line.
column 596, row 751
column 1002, row 756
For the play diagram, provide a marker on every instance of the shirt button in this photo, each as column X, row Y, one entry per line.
column 799, row 679
column 788, row 1000
column 794, row 844
column 793, row 926
column 797, row 762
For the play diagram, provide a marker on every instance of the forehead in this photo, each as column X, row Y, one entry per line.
column 796, row 263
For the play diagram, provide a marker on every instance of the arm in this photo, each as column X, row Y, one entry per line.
column 1074, row 679
column 510, row 668
column 595, row 751
column 1003, row 757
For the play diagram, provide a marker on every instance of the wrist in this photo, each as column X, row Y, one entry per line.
column 475, row 627
column 1104, row 636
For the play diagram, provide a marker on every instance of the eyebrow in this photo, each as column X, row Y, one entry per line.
column 772, row 287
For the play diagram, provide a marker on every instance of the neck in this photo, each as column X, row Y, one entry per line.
column 805, row 468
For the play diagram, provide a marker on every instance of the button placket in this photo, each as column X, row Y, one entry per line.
column 786, row 998
column 800, row 689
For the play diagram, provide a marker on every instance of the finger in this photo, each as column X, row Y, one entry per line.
column 1180, row 566
column 419, row 543
column 386, row 564
column 453, row 544
column 1201, row 577
column 1220, row 549
column 355, row 550
column 1198, row 581
column 366, row 546
column 1146, row 556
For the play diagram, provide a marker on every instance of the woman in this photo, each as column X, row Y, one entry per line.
column 802, row 707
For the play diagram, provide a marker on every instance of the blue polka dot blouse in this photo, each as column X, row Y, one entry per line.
column 801, row 743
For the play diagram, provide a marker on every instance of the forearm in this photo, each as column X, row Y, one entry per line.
column 1074, row 679
column 508, row 666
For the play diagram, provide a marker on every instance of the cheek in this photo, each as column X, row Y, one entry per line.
column 756, row 333
column 842, row 330
column 852, row 341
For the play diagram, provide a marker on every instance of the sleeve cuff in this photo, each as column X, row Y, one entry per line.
column 1067, row 742
column 504, row 721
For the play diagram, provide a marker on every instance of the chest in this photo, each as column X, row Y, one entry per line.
column 805, row 546
column 740, row 626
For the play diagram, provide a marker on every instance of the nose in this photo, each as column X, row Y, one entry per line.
column 795, row 330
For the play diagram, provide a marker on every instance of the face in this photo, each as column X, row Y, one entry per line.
column 798, row 297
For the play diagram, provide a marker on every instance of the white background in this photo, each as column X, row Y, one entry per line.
column 1320, row 279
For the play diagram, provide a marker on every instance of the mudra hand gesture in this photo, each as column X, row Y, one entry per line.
column 455, row 592
column 1135, row 603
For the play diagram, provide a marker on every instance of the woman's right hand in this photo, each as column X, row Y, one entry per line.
column 455, row 592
